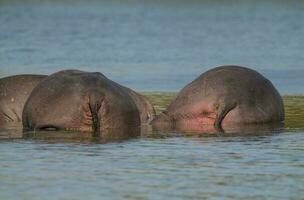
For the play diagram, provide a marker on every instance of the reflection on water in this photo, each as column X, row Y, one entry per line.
column 210, row 130
column 158, row 165
column 107, row 135
column 252, row 167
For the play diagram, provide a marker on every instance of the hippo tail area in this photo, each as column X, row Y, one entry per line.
column 222, row 110
column 94, row 109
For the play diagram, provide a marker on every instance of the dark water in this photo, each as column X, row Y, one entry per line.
column 156, row 45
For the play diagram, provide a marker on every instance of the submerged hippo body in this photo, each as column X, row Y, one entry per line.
column 14, row 91
column 82, row 101
column 226, row 96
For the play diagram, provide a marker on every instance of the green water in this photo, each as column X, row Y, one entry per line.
column 294, row 110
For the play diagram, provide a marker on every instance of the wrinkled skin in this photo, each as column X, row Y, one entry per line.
column 14, row 91
column 222, row 98
column 81, row 101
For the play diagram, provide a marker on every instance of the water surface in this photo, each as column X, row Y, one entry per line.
column 263, row 165
column 156, row 46
column 257, row 167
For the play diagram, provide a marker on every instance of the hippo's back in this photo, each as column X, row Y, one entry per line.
column 14, row 91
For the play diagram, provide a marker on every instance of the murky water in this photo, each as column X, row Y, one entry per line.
column 160, row 46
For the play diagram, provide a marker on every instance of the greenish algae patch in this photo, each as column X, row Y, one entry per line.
column 294, row 111
column 160, row 100
column 294, row 106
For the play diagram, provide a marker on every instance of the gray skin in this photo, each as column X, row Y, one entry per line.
column 81, row 101
column 223, row 97
column 14, row 91
column 146, row 110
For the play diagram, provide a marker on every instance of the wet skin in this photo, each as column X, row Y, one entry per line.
column 223, row 98
column 146, row 110
column 84, row 101
column 14, row 91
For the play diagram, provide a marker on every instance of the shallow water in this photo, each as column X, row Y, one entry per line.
column 256, row 167
column 156, row 46
column 263, row 165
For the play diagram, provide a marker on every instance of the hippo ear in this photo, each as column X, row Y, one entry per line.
column 222, row 110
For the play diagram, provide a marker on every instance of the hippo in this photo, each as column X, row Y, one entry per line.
column 222, row 98
column 146, row 110
column 14, row 91
column 87, row 102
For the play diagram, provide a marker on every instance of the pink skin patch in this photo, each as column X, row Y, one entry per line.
column 199, row 117
column 195, row 125
column 202, row 115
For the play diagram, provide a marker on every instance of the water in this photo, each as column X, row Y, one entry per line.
column 256, row 167
column 156, row 46
column 262, row 165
